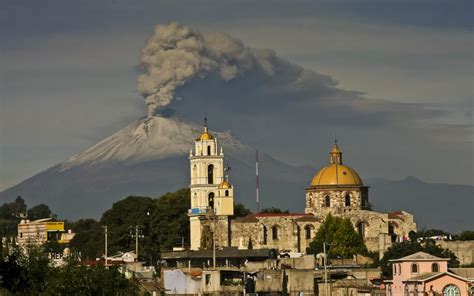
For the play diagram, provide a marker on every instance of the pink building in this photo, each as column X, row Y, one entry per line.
column 423, row 274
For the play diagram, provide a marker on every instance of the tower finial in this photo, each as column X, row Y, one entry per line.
column 205, row 122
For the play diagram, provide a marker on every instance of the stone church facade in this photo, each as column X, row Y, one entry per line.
column 335, row 188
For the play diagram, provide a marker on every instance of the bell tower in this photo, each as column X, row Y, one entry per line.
column 212, row 199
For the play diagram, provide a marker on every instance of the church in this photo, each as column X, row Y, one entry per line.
column 335, row 188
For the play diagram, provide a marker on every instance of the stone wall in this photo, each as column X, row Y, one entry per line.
column 287, row 233
column 464, row 250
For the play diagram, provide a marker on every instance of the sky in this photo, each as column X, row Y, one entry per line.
column 392, row 80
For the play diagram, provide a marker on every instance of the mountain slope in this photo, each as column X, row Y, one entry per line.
column 149, row 157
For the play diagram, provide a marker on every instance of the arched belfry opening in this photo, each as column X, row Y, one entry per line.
column 208, row 150
column 210, row 174
column 210, row 200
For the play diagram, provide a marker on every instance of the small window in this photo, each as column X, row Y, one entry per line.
column 226, row 193
column 414, row 268
column 275, row 232
column 361, row 229
column 328, row 201
column 348, row 200
column 21, row 235
column 435, row 267
column 399, row 268
column 208, row 279
column 307, row 231
column 394, row 268
column 265, row 234
column 208, row 150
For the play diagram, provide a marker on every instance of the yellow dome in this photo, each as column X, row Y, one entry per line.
column 336, row 174
column 205, row 136
column 225, row 185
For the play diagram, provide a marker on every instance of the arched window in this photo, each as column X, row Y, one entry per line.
column 208, row 150
column 275, row 232
column 265, row 234
column 226, row 193
column 210, row 200
column 361, row 229
column 210, row 174
column 435, row 267
column 328, row 201
column 348, row 200
column 307, row 231
column 451, row 290
column 414, row 268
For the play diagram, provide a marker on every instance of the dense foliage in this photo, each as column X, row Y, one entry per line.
column 340, row 237
column 240, row 210
column 39, row 212
column 399, row 250
column 162, row 224
column 274, row 210
column 33, row 274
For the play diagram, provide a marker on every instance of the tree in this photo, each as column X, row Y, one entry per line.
column 88, row 239
column 170, row 223
column 38, row 212
column 33, row 274
column 273, row 210
column 240, row 210
column 340, row 234
column 402, row 249
column 466, row 235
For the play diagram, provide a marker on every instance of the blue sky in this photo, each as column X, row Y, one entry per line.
column 69, row 70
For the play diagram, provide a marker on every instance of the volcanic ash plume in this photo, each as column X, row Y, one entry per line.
column 175, row 54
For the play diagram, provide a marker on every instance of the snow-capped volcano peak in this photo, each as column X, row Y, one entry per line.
column 151, row 138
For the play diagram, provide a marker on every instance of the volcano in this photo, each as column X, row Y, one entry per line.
column 149, row 158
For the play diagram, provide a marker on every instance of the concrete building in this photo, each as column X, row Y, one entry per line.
column 425, row 274
column 335, row 188
column 40, row 231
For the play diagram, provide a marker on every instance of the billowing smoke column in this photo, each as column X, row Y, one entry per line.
column 175, row 54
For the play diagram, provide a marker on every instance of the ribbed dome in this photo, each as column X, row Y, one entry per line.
column 336, row 174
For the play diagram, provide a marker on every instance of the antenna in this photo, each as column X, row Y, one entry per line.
column 257, row 182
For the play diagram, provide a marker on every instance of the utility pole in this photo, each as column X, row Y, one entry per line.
column 105, row 233
column 136, row 241
column 137, row 236
column 325, row 270
column 257, row 182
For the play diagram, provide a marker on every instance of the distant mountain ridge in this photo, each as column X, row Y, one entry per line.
column 149, row 157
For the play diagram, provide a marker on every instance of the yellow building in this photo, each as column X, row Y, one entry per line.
column 40, row 231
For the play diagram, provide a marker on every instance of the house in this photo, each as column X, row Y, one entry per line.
column 425, row 274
